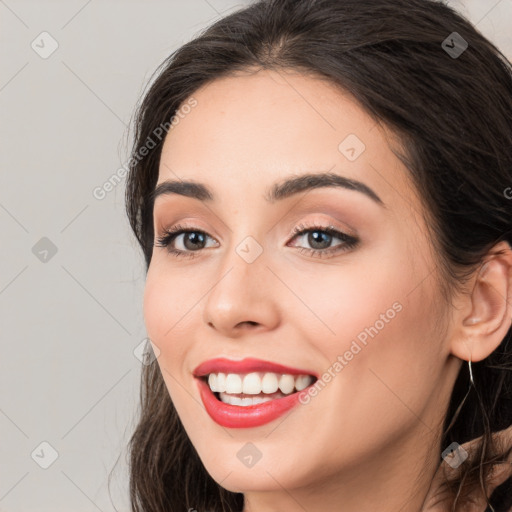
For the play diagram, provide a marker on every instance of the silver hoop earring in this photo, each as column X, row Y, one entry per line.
column 471, row 374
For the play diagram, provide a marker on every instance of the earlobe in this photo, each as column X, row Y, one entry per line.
column 483, row 329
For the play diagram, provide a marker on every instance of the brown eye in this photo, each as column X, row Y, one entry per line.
column 183, row 241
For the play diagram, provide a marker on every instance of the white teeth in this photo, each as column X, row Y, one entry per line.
column 233, row 383
column 235, row 400
column 221, row 382
column 287, row 384
column 269, row 383
column 302, row 382
column 255, row 383
column 251, row 384
column 212, row 382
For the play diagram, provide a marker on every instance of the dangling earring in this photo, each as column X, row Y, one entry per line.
column 471, row 383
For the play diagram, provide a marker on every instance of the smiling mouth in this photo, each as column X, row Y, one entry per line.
column 256, row 387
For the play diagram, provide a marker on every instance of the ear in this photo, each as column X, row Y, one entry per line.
column 486, row 314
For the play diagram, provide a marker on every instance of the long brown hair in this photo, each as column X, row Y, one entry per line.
column 453, row 114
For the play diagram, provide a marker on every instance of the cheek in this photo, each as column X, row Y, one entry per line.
column 153, row 307
column 345, row 302
column 390, row 355
column 374, row 331
column 166, row 320
column 166, row 313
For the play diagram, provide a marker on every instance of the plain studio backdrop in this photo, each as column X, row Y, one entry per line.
column 71, row 275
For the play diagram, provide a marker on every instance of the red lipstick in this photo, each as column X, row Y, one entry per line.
column 246, row 366
column 234, row 416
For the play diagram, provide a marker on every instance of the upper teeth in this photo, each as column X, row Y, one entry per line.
column 256, row 382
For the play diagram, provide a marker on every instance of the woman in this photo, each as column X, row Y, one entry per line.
column 319, row 188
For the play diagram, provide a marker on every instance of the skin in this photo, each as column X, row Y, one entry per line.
column 375, row 426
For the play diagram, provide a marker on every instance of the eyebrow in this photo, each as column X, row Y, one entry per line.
column 278, row 191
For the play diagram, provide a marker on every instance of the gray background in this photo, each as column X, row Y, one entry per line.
column 70, row 321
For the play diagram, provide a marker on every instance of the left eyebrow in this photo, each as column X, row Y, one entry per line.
column 278, row 191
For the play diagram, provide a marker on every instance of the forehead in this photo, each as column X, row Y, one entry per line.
column 267, row 114
column 249, row 130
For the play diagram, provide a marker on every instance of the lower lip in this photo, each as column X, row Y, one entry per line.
column 237, row 416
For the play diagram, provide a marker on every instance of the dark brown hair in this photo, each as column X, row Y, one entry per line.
column 453, row 117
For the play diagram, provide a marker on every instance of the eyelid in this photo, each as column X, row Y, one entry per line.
column 297, row 229
column 322, row 221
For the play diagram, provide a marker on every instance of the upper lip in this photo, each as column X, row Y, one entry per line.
column 247, row 365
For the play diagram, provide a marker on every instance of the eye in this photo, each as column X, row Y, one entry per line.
column 188, row 240
column 320, row 239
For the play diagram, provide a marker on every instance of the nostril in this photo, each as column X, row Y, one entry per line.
column 247, row 322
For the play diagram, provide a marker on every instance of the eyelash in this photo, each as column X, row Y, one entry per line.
column 349, row 242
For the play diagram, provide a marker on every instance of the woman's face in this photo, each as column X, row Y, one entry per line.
column 359, row 310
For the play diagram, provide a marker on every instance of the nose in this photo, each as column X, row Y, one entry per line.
column 243, row 298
